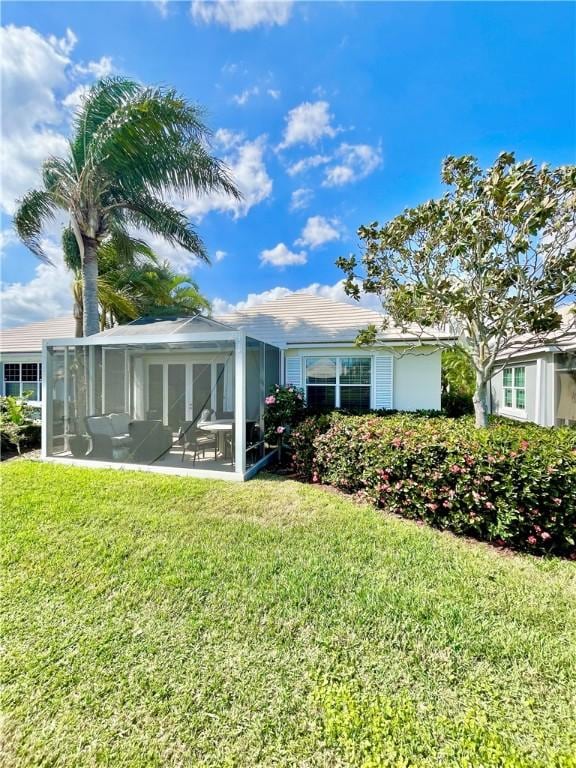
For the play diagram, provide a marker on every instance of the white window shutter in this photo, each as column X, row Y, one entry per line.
column 294, row 371
column 383, row 383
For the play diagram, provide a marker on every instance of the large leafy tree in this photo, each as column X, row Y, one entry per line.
column 133, row 148
column 490, row 261
column 131, row 283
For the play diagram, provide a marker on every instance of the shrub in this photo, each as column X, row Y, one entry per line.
column 284, row 408
column 512, row 484
column 17, row 424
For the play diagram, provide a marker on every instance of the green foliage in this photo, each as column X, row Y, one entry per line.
column 489, row 260
column 458, row 382
column 17, row 423
column 375, row 731
column 284, row 409
column 131, row 145
column 512, row 484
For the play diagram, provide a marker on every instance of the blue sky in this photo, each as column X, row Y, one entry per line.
column 331, row 115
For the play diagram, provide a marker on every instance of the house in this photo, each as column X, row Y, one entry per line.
column 21, row 356
column 186, row 395
column 537, row 382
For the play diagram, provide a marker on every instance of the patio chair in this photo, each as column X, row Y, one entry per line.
column 109, row 436
column 195, row 440
column 151, row 440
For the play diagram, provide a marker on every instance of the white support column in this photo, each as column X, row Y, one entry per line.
column 90, row 375
column 46, row 402
column 240, row 404
column 539, row 411
column 66, row 398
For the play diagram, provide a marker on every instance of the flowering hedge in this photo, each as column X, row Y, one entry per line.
column 512, row 484
column 284, row 408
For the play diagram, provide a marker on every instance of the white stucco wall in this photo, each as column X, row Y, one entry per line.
column 416, row 374
column 418, row 381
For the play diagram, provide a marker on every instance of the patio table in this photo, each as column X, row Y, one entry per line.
column 219, row 427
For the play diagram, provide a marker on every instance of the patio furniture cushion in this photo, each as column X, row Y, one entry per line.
column 99, row 425
column 120, row 422
column 151, row 440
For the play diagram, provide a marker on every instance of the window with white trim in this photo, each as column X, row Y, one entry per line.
column 23, row 379
column 514, row 387
column 338, row 382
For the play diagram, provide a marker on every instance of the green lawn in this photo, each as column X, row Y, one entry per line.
column 157, row 621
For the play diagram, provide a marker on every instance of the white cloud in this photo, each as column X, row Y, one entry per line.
column 219, row 255
column 226, row 139
column 281, row 256
column 241, row 14
column 335, row 292
column 101, row 68
column 246, row 95
column 353, row 162
column 301, row 198
column 318, row 231
column 307, row 123
column 273, row 93
column 247, row 167
column 32, row 69
column 47, row 295
column 307, row 162
column 75, row 98
column 39, row 89
column 161, row 6
column 64, row 44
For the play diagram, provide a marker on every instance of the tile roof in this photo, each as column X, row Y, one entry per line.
column 28, row 338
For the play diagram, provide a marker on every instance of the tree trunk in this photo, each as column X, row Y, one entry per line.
column 480, row 400
column 79, row 320
column 90, row 286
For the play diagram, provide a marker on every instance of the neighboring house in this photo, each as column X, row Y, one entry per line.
column 538, row 382
column 21, row 356
column 187, row 394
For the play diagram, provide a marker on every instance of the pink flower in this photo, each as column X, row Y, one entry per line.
column 545, row 536
column 489, row 505
column 531, row 540
column 524, row 444
column 455, row 469
column 557, row 501
column 290, row 389
column 397, row 442
column 270, row 400
column 279, row 430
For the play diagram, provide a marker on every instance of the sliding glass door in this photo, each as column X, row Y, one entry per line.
column 179, row 391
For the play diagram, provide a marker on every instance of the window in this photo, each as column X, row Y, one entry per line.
column 338, row 382
column 514, row 385
column 23, row 379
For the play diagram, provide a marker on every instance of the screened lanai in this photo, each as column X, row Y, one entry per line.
column 179, row 395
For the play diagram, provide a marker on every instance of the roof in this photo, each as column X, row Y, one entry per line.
column 562, row 340
column 300, row 318
column 28, row 338
column 297, row 318
column 163, row 326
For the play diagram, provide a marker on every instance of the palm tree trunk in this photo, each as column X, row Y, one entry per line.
column 79, row 320
column 90, row 286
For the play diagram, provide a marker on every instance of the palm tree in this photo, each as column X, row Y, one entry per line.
column 131, row 146
column 131, row 283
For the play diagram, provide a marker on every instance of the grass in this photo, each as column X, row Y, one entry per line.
column 161, row 621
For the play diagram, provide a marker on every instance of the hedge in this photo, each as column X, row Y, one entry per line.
column 511, row 484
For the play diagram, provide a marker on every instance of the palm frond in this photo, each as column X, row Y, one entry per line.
column 35, row 208
column 102, row 100
column 71, row 252
column 162, row 219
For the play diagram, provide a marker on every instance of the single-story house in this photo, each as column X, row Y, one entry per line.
column 537, row 382
column 21, row 356
column 186, row 395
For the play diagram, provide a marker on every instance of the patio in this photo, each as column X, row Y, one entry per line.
column 181, row 395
